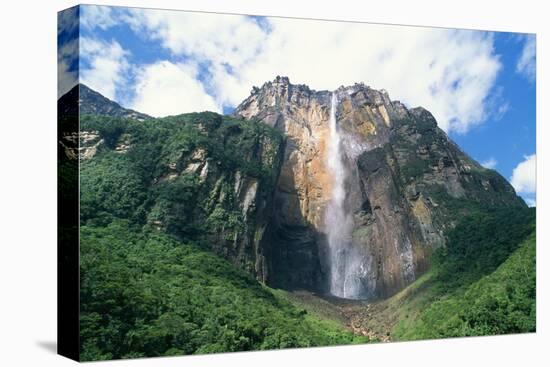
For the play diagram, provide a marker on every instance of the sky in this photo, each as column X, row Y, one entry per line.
column 479, row 85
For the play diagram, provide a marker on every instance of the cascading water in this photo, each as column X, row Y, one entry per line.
column 345, row 265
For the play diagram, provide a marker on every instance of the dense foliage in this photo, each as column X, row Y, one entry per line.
column 149, row 285
column 480, row 243
column 483, row 283
column 133, row 185
column 148, row 294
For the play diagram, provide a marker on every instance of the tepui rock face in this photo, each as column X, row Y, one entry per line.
column 403, row 176
column 406, row 183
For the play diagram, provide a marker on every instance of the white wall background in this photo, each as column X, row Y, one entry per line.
column 28, row 183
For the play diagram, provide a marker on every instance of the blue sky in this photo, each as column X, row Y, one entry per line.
column 507, row 139
column 479, row 85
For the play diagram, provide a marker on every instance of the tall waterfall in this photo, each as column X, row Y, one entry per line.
column 345, row 265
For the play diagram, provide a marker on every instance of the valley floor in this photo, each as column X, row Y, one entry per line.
column 501, row 302
column 361, row 317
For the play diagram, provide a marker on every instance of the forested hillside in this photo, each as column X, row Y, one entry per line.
column 203, row 233
column 151, row 283
column 482, row 283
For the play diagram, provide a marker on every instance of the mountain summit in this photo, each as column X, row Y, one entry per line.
column 91, row 102
column 322, row 194
column 342, row 191
column 404, row 182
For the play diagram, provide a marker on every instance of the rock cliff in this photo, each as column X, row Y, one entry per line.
column 255, row 187
column 203, row 177
column 406, row 183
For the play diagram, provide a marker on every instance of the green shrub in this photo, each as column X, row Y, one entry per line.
column 483, row 283
column 147, row 294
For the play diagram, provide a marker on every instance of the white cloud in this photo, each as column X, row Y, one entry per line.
column 67, row 21
column 451, row 73
column 228, row 44
column 221, row 38
column 67, row 77
column 490, row 163
column 97, row 16
column 526, row 64
column 530, row 202
column 67, row 51
column 165, row 88
column 501, row 111
column 524, row 175
column 107, row 65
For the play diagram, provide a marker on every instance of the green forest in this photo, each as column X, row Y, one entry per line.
column 152, row 285
column 152, row 292
column 145, row 293
column 482, row 283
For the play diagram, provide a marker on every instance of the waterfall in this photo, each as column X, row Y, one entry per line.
column 345, row 265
